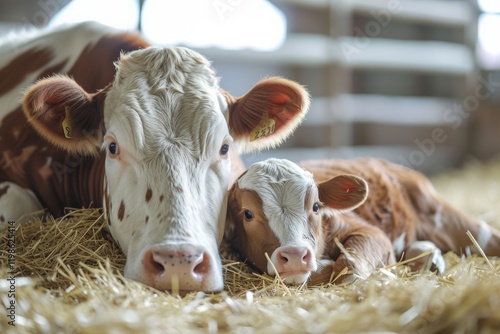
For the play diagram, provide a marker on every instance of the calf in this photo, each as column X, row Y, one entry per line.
column 403, row 210
column 276, row 207
column 150, row 138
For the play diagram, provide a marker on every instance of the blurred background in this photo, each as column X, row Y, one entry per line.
column 416, row 82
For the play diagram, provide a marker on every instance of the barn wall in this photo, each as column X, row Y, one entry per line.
column 378, row 88
column 385, row 77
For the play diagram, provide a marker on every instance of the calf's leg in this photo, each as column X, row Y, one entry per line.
column 443, row 224
column 367, row 248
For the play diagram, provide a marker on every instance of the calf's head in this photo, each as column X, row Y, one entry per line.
column 165, row 132
column 275, row 207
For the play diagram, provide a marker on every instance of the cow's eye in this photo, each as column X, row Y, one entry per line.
column 316, row 207
column 248, row 215
column 113, row 148
column 224, row 149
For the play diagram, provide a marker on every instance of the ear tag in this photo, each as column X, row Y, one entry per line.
column 66, row 124
column 266, row 127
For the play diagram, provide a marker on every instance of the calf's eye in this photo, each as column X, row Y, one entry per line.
column 248, row 215
column 316, row 207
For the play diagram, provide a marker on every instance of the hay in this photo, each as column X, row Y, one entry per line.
column 70, row 281
column 79, row 237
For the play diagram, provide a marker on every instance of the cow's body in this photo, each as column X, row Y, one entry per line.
column 401, row 215
column 146, row 133
column 56, row 177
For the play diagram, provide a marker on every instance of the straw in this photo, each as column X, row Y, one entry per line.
column 69, row 279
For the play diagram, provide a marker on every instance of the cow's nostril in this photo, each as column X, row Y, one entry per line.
column 182, row 266
column 152, row 264
column 307, row 257
column 157, row 264
column 283, row 258
column 203, row 266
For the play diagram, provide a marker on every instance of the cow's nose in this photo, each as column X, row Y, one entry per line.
column 294, row 263
column 182, row 267
column 294, row 257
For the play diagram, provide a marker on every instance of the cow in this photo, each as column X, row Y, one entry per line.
column 294, row 213
column 145, row 132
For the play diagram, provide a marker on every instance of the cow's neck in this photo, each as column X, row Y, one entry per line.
column 83, row 184
column 59, row 179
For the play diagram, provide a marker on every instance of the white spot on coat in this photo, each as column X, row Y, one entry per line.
column 483, row 234
column 438, row 222
column 399, row 243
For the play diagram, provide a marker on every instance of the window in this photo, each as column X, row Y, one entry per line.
column 226, row 24
column 120, row 14
column 488, row 47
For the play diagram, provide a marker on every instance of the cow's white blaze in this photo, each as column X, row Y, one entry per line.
column 166, row 138
column 282, row 187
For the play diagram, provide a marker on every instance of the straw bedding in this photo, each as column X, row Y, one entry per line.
column 70, row 280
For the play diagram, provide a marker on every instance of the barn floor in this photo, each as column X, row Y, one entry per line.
column 70, row 282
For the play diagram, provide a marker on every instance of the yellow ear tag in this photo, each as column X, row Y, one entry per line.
column 266, row 127
column 66, row 123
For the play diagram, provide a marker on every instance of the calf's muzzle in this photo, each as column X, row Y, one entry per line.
column 294, row 263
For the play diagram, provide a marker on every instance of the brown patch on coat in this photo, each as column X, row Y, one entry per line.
column 16, row 71
column 4, row 190
column 149, row 194
column 106, row 203
column 105, row 52
column 121, row 211
column 251, row 239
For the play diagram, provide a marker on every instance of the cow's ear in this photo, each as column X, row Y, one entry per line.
column 267, row 114
column 67, row 116
column 343, row 192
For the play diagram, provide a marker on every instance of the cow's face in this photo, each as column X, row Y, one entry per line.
column 167, row 167
column 276, row 208
column 163, row 128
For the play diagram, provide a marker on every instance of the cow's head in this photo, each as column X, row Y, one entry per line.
column 166, row 131
column 275, row 207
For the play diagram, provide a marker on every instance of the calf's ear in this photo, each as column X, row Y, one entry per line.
column 233, row 240
column 67, row 116
column 231, row 214
column 267, row 114
column 343, row 192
